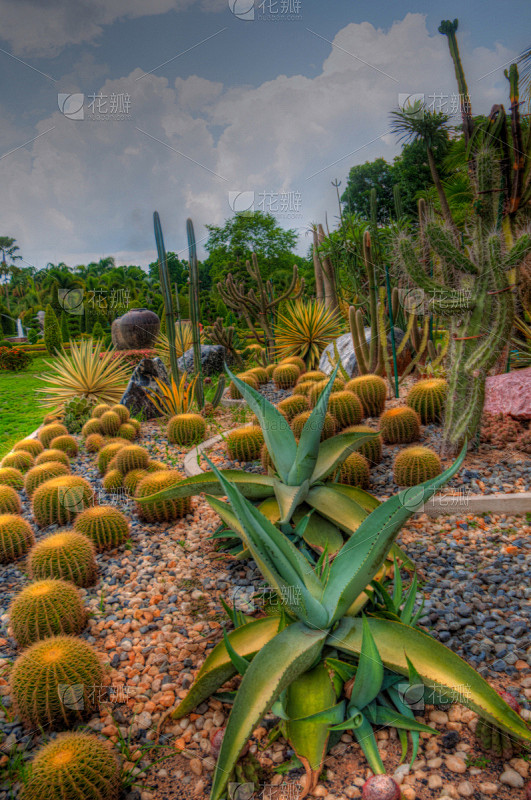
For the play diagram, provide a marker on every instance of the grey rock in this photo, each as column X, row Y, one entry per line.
column 213, row 358
column 345, row 348
column 135, row 397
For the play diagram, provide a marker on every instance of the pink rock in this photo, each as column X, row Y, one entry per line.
column 509, row 394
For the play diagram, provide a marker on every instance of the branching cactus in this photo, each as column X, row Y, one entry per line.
column 473, row 292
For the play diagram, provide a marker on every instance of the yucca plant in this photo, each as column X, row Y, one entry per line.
column 85, row 371
column 183, row 342
column 304, row 329
column 290, row 663
column 177, row 398
column 296, row 497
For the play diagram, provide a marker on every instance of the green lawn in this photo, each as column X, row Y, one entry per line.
column 20, row 411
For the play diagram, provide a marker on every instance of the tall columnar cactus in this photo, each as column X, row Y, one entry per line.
column 194, row 312
column 165, row 286
column 473, row 292
column 257, row 306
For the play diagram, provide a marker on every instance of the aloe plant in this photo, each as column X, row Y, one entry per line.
column 297, row 496
column 289, row 661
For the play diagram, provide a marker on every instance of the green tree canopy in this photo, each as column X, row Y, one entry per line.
column 362, row 178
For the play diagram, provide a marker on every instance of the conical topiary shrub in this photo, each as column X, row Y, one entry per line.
column 52, row 455
column 67, row 555
column 20, row 460
column 329, row 425
column 99, row 410
column 354, row 471
column 185, row 429
column 122, row 411
column 94, row 442
column 131, row 457
column 291, row 406
column 244, row 444
column 105, row 526
column 60, row 500
column 91, row 426
column 74, row 766
column 31, row 446
column 372, row 448
column 16, row 537
column 285, row 376
column 415, row 465
column 372, row 391
column 110, row 423
column 400, row 425
column 428, row 398
column 250, row 380
column 46, row 608
column 9, row 500
column 55, row 682
column 161, row 510
column 346, row 409
column 41, row 473
column 49, row 432
column 9, row 476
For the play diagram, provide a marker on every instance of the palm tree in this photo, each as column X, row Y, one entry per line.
column 9, row 250
column 416, row 124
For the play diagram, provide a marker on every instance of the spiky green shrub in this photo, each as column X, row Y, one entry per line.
column 52, row 682
column 372, row 391
column 16, row 537
column 291, row 406
column 265, row 459
column 94, row 442
column 250, row 380
column 74, row 766
column 42, row 473
column 31, row 446
column 91, row 426
column 161, row 510
column 260, row 373
column 9, row 500
column 415, row 465
column 122, row 411
column 65, row 443
column 354, row 471
column 21, row 460
column 99, row 410
column 297, row 360
column 105, row 526
column 60, row 500
column 400, row 426
column 9, row 476
column 427, row 398
column 132, row 479
column 346, row 408
column 112, row 480
column 285, row 376
column 46, row 608
column 372, row 448
column 127, row 431
column 319, row 386
column 107, row 453
column 244, row 444
column 110, row 423
column 52, row 455
column 49, row 432
column 185, row 429
column 269, row 370
column 131, row 457
column 67, row 555
column 329, row 425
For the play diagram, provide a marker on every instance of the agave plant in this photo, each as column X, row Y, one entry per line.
column 85, row 372
column 297, row 497
column 304, row 329
column 289, row 661
column 176, row 398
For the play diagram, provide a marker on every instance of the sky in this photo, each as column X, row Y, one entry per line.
column 112, row 109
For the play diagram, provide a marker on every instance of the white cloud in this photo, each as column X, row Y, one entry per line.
column 88, row 188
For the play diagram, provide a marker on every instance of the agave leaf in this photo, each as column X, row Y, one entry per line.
column 278, row 663
column 278, row 435
column 369, row 546
column 380, row 715
column 367, row 501
column 309, row 443
column 289, row 497
column 336, row 507
column 320, row 533
column 218, row 668
column 332, row 452
column 369, row 674
column 438, row 667
column 407, row 612
column 249, row 483
column 396, row 552
column 239, row 663
column 403, row 708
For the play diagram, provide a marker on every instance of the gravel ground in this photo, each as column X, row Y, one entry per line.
column 156, row 613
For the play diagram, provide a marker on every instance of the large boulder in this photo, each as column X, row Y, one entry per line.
column 509, row 394
column 135, row 397
column 213, row 357
column 345, row 348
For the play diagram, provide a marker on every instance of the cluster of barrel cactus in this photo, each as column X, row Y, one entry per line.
column 32, row 446
column 250, row 380
column 372, row 391
column 245, row 444
column 21, row 460
column 49, row 432
column 160, row 510
column 42, row 473
column 186, row 429
column 285, row 375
